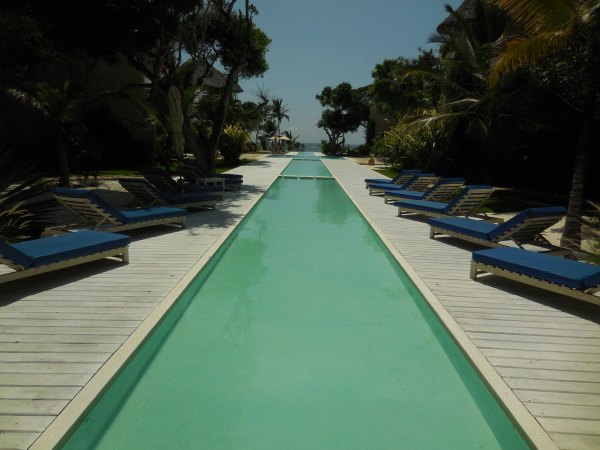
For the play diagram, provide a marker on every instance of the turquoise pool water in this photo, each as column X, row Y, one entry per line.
column 302, row 334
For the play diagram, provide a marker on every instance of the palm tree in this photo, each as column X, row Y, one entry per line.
column 546, row 29
column 64, row 108
column 278, row 112
column 467, row 104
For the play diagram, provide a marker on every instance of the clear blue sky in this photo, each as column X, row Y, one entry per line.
column 318, row 43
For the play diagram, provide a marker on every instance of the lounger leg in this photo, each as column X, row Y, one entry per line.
column 399, row 212
column 184, row 222
column 125, row 256
column 431, row 233
column 474, row 270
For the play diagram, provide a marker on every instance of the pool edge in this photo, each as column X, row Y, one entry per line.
column 58, row 431
column 530, row 428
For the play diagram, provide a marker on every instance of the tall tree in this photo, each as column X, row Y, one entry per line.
column 279, row 112
column 242, row 48
column 544, row 30
column 346, row 110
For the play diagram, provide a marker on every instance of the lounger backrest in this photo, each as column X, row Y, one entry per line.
column 420, row 182
column 528, row 224
column 13, row 257
column 90, row 206
column 443, row 189
column 469, row 199
column 161, row 180
column 144, row 191
column 405, row 175
column 200, row 172
column 188, row 173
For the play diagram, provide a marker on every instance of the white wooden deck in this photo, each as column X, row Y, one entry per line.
column 58, row 330
column 545, row 347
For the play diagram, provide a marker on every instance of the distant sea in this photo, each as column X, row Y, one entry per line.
column 312, row 147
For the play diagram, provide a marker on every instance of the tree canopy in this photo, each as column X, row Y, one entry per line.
column 346, row 109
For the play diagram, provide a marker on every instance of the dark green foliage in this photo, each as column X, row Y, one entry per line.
column 346, row 110
column 26, row 205
column 394, row 93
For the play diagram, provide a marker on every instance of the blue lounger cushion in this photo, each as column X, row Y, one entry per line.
column 41, row 252
column 409, row 195
column 151, row 213
column 476, row 228
column 423, row 205
column 565, row 272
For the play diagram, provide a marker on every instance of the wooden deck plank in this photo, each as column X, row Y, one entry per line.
column 33, row 407
column 17, row 440
column 22, row 423
column 38, row 392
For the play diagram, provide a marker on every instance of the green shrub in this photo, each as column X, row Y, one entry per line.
column 233, row 142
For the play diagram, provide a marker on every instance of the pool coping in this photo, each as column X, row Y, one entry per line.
column 521, row 417
column 59, row 430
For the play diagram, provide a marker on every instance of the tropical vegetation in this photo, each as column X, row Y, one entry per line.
column 78, row 96
column 509, row 98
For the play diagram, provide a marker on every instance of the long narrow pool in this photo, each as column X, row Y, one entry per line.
column 303, row 333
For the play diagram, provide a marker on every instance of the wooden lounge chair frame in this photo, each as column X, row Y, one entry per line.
column 519, row 234
column 587, row 295
column 164, row 186
column 21, row 272
column 150, row 198
column 400, row 181
column 418, row 183
column 100, row 219
column 192, row 177
column 465, row 207
column 443, row 192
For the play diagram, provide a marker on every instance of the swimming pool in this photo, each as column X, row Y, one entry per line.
column 302, row 333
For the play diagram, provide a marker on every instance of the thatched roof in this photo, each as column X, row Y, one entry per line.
column 217, row 79
column 214, row 79
column 468, row 9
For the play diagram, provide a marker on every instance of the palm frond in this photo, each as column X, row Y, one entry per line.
column 540, row 16
column 522, row 50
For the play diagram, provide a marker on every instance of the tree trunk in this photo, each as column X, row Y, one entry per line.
column 63, row 164
column 571, row 237
column 194, row 145
column 219, row 124
column 590, row 87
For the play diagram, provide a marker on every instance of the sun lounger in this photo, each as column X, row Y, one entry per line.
column 195, row 175
column 99, row 214
column 148, row 195
column 400, row 179
column 524, row 228
column 163, row 182
column 564, row 276
column 464, row 204
column 57, row 252
column 419, row 182
column 440, row 191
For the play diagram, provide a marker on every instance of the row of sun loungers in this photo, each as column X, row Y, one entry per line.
column 165, row 202
column 457, row 217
